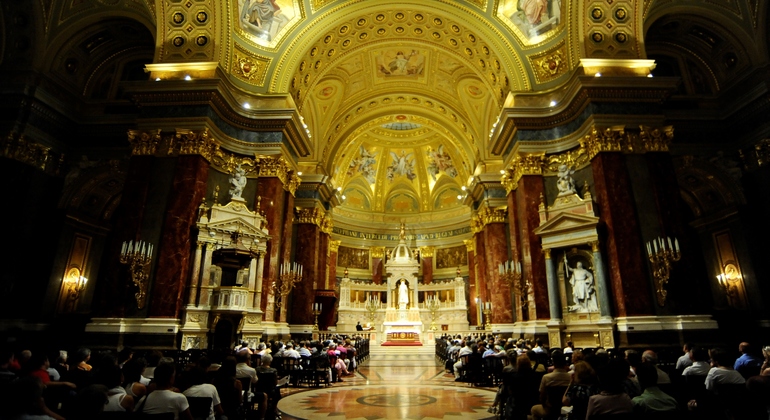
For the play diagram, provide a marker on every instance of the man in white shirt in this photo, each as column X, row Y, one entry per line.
column 700, row 365
column 538, row 346
column 303, row 350
column 568, row 349
column 200, row 389
column 243, row 369
column 290, row 352
column 163, row 399
column 465, row 350
column 685, row 360
column 722, row 372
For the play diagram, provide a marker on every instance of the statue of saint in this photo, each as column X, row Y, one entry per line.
column 403, row 294
column 583, row 291
column 402, row 232
column 565, row 183
column 237, row 182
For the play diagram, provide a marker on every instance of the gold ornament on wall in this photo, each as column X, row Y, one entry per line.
column 250, row 68
column 551, row 64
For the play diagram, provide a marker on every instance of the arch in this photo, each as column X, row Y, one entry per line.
column 707, row 186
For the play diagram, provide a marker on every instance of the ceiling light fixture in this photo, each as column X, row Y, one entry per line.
column 187, row 77
column 553, row 103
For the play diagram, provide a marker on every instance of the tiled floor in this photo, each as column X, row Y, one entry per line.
column 390, row 392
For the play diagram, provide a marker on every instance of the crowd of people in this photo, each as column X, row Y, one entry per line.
column 577, row 384
column 239, row 383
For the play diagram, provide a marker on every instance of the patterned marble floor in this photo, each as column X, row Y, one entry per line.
column 390, row 392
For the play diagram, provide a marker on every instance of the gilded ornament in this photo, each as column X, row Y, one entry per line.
column 34, row 154
column 201, row 17
column 522, row 164
column 178, row 18
column 249, row 68
column 313, row 216
column 399, row 16
column 201, row 40
column 656, row 139
column 621, row 37
column 550, row 65
column 334, row 246
column 144, row 143
column 178, row 41
column 597, row 37
column 470, row 245
column 597, row 13
column 272, row 166
column 605, row 140
column 194, row 143
column 620, row 14
column 427, row 251
column 487, row 215
column 377, row 251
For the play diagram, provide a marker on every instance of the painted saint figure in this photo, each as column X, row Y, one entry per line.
column 583, row 291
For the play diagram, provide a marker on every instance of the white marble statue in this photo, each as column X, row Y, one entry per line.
column 403, row 294
column 237, row 183
column 565, row 183
column 583, row 291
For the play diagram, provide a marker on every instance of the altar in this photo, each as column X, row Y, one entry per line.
column 403, row 322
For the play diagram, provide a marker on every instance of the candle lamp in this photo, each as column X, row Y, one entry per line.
column 317, row 308
column 662, row 253
column 372, row 305
column 75, row 287
column 432, row 303
column 487, row 308
column 138, row 257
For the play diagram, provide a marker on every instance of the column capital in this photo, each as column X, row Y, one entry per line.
column 427, row 251
column 547, row 253
column 470, row 245
column 594, row 246
column 334, row 246
column 377, row 251
column 522, row 164
column 487, row 215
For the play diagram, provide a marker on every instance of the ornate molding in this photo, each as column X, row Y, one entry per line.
column 293, row 184
column 334, row 246
column 550, row 64
column 757, row 156
column 327, row 224
column 522, row 164
column 187, row 142
column 487, row 215
column 274, row 166
column 470, row 245
column 34, row 154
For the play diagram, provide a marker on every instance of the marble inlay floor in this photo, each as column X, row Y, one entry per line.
column 390, row 392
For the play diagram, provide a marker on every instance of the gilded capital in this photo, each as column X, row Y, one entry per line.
column 470, row 245
column 292, row 185
column 522, row 164
column 334, row 246
column 656, row 139
column 144, row 143
column 605, row 140
column 327, row 224
column 594, row 246
column 487, row 215
column 427, row 251
column 547, row 253
column 274, row 166
column 377, row 251
column 313, row 216
column 187, row 142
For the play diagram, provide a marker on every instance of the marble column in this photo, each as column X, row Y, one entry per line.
column 205, row 290
column 252, row 283
column 481, row 275
column 331, row 279
column 470, row 246
column 259, row 280
column 426, row 256
column 515, row 240
column 499, row 292
column 628, row 275
column 600, row 277
column 554, row 303
column 196, row 275
column 378, row 256
column 173, row 264
column 114, row 290
column 273, row 206
column 528, row 193
column 309, row 248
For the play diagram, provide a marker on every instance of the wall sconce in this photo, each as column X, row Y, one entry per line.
column 74, row 286
column 662, row 253
column 138, row 256
column 728, row 281
column 346, row 272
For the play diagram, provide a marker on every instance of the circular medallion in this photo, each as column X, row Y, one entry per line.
column 389, row 400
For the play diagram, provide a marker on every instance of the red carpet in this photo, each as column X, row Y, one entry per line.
column 396, row 343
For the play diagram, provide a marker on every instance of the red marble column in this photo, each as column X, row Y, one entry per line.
column 114, row 288
column 427, row 270
column 173, row 264
column 627, row 272
column 528, row 193
column 309, row 247
column 333, row 253
column 496, row 248
column 472, row 294
column 273, row 205
column 481, row 273
column 515, row 240
column 377, row 267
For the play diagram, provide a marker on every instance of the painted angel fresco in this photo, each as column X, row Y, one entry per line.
column 364, row 163
column 402, row 165
column 439, row 160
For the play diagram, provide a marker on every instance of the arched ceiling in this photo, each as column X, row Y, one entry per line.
column 399, row 100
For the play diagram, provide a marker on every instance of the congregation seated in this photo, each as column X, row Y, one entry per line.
column 583, row 386
column 652, row 401
column 612, row 399
column 199, row 389
column 552, row 388
column 164, row 399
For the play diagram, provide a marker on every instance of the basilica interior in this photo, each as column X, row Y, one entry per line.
column 195, row 172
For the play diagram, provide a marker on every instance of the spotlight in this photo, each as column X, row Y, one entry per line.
column 187, row 77
column 553, row 103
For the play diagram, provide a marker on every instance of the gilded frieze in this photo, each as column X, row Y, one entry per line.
column 144, row 143
column 274, row 166
column 194, row 143
column 551, row 64
column 605, row 140
column 655, row 139
column 487, row 215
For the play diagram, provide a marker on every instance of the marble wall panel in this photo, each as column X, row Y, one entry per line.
column 495, row 236
column 272, row 204
column 532, row 259
column 427, row 270
column 308, row 242
column 472, row 294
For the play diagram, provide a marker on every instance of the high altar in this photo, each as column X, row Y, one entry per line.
column 399, row 316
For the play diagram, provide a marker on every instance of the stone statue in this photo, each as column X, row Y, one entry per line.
column 583, row 291
column 402, row 232
column 565, row 183
column 403, row 294
column 237, row 183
